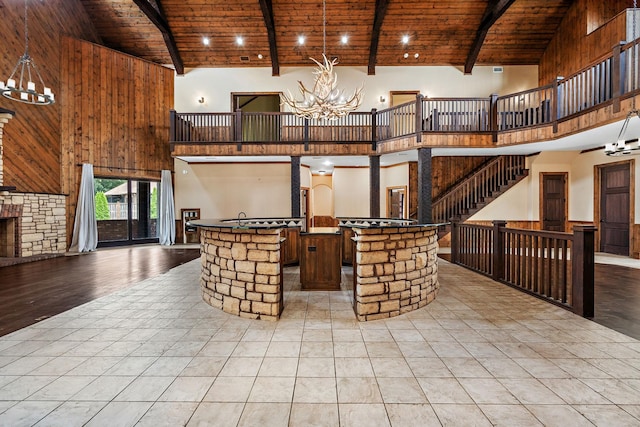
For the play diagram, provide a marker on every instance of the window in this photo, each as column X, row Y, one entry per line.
column 126, row 211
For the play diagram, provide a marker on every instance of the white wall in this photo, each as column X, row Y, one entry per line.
column 223, row 190
column 394, row 176
column 321, row 195
column 216, row 84
column 522, row 202
column 351, row 192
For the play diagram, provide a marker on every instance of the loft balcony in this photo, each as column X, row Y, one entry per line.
column 598, row 94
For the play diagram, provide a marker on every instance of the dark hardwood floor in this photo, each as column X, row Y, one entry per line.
column 34, row 291
column 617, row 298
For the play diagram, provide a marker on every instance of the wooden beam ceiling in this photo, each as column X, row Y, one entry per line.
column 157, row 17
column 495, row 9
column 381, row 10
column 441, row 32
column 267, row 13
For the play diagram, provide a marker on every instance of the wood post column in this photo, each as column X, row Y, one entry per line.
column 424, row 186
column 295, row 186
column 374, row 186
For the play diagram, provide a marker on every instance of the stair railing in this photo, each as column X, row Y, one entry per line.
column 477, row 188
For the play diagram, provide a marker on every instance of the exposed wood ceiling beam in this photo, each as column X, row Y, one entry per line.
column 494, row 11
column 381, row 10
column 267, row 13
column 158, row 19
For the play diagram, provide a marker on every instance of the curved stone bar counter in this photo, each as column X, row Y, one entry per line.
column 395, row 265
column 241, row 265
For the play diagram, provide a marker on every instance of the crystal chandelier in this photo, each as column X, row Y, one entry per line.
column 23, row 74
column 325, row 100
column 623, row 146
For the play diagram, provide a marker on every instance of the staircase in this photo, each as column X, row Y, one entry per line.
column 478, row 189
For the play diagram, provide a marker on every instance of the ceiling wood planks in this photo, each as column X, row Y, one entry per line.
column 495, row 9
column 159, row 21
column 440, row 32
column 381, row 10
column 267, row 12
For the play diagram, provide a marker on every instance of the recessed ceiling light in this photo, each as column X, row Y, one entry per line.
column 406, row 55
column 260, row 56
column 300, row 40
column 405, row 39
column 327, row 163
column 239, row 41
column 416, row 55
column 322, row 172
column 206, row 41
column 344, row 39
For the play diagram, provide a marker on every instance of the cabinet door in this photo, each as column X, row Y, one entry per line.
column 320, row 260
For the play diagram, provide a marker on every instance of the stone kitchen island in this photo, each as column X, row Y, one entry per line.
column 394, row 265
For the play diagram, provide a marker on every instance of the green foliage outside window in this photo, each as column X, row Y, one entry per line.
column 102, row 207
column 154, row 203
column 105, row 184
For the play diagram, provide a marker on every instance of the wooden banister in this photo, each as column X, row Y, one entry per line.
column 556, row 267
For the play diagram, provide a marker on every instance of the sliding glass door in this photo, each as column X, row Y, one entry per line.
column 126, row 211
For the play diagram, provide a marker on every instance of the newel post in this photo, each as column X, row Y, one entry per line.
column 237, row 128
column 455, row 240
column 498, row 249
column 305, row 134
column 172, row 125
column 583, row 278
column 374, row 129
column 493, row 115
column 618, row 67
column 419, row 114
column 556, row 102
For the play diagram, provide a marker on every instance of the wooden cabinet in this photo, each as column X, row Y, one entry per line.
column 347, row 245
column 320, row 259
column 291, row 246
column 190, row 234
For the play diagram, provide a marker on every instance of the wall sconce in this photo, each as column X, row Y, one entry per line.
column 382, row 99
column 201, row 100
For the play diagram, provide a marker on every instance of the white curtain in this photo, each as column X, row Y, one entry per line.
column 85, row 227
column 166, row 212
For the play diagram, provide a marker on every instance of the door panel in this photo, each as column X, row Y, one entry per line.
column 614, row 209
column 554, row 202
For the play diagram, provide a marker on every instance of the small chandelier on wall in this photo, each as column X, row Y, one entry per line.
column 324, row 100
column 20, row 85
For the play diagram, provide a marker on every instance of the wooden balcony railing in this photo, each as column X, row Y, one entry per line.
column 557, row 267
column 608, row 80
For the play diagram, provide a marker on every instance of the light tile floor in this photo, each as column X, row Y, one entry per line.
column 481, row 354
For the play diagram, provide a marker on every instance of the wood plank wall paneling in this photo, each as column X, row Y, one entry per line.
column 32, row 139
column 115, row 116
column 573, row 46
column 635, row 252
column 447, row 171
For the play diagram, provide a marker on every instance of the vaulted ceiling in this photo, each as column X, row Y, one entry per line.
column 440, row 32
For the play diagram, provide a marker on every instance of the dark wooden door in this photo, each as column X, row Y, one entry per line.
column 320, row 261
column 614, row 209
column 554, row 201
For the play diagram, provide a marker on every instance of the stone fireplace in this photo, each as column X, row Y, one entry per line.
column 30, row 223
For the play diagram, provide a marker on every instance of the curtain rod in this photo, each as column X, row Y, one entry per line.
column 123, row 169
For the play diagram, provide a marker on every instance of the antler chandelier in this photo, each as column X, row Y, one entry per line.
column 15, row 89
column 325, row 100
